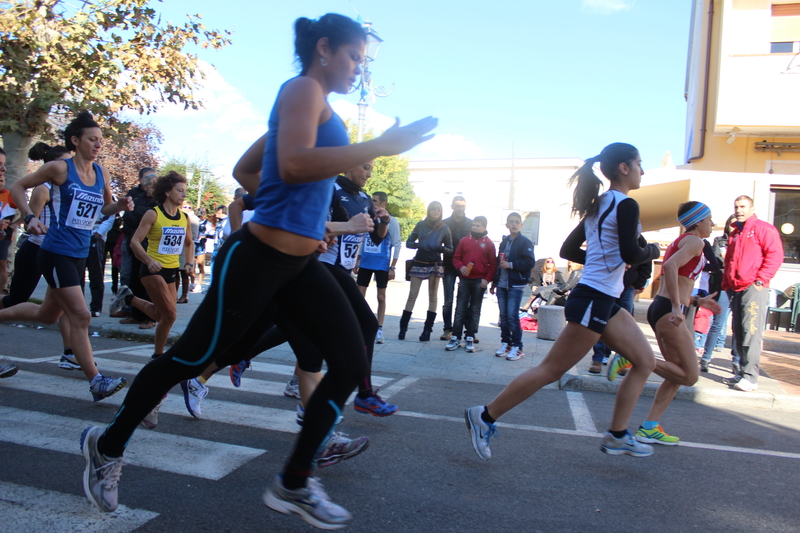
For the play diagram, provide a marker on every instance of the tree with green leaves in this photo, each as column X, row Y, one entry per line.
column 390, row 175
column 199, row 179
column 105, row 56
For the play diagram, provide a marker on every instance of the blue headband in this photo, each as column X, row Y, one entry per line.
column 694, row 215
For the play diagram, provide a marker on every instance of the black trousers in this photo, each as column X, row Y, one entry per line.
column 234, row 314
column 95, row 264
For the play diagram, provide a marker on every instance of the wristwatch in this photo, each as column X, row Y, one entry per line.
column 28, row 219
column 392, row 268
column 758, row 283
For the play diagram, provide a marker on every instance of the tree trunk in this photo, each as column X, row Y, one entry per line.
column 16, row 147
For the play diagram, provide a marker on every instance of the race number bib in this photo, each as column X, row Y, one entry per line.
column 348, row 249
column 370, row 247
column 171, row 242
column 84, row 210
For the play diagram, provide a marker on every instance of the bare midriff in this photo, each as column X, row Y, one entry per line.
column 284, row 241
column 685, row 286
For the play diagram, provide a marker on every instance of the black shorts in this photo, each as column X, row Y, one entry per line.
column 365, row 275
column 5, row 244
column 169, row 274
column 61, row 271
column 590, row 308
column 661, row 306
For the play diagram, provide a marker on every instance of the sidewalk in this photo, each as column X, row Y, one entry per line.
column 779, row 384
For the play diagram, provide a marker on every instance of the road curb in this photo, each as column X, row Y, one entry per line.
column 704, row 396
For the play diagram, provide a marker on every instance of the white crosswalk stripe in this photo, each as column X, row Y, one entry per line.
column 35, row 509
column 199, row 458
column 42, row 511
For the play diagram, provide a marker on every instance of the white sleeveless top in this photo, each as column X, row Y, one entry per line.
column 604, row 269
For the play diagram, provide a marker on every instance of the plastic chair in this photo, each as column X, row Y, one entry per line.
column 777, row 299
column 795, row 293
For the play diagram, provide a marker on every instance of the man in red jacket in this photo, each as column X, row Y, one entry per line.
column 755, row 252
column 476, row 262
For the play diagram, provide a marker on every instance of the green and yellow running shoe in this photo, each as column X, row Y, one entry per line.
column 657, row 435
column 616, row 364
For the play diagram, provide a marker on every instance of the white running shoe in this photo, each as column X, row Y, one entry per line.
column 379, row 337
column 469, row 346
column 515, row 354
column 479, row 431
column 310, row 502
column 292, row 389
column 151, row 420
column 193, row 394
column 339, row 447
column 101, row 475
column 453, row 344
column 627, row 445
column 502, row 351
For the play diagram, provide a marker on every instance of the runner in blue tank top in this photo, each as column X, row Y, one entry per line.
column 79, row 195
column 306, row 147
column 610, row 227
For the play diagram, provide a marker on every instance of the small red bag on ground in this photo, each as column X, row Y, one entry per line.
column 529, row 323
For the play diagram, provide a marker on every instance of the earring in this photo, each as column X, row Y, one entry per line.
column 323, row 61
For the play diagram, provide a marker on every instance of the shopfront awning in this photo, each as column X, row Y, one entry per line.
column 658, row 204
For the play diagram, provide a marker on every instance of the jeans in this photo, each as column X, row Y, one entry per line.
column 468, row 308
column 508, row 300
column 449, row 288
column 716, row 334
column 625, row 301
column 127, row 256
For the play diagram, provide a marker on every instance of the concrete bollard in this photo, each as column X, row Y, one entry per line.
column 551, row 321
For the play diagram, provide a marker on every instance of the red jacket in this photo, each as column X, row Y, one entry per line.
column 481, row 253
column 754, row 254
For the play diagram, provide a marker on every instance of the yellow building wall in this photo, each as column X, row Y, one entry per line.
column 741, row 155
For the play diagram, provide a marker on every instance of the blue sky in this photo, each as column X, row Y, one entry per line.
column 555, row 78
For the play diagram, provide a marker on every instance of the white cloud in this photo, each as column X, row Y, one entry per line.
column 607, row 6
column 448, row 147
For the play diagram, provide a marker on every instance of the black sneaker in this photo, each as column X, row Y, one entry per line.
column 703, row 366
column 732, row 380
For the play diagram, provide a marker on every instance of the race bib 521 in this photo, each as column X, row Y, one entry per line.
column 84, row 210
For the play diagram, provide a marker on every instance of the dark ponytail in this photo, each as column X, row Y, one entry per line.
column 83, row 121
column 44, row 152
column 337, row 28
column 587, row 189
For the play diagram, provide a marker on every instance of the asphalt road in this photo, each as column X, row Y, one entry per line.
column 738, row 470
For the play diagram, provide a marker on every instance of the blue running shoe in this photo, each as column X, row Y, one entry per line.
column 480, row 432
column 236, row 372
column 374, row 405
column 102, row 387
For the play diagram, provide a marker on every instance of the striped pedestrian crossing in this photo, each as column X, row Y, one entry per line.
column 36, row 509
column 43, row 511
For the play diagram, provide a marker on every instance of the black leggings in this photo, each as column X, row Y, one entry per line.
column 26, row 274
column 234, row 314
column 309, row 359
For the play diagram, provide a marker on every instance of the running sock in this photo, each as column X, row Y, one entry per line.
column 67, row 351
column 295, row 479
column 650, row 424
column 618, row 434
column 364, row 394
column 201, row 379
column 485, row 415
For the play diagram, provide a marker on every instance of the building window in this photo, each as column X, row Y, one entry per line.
column 781, row 48
column 787, row 220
